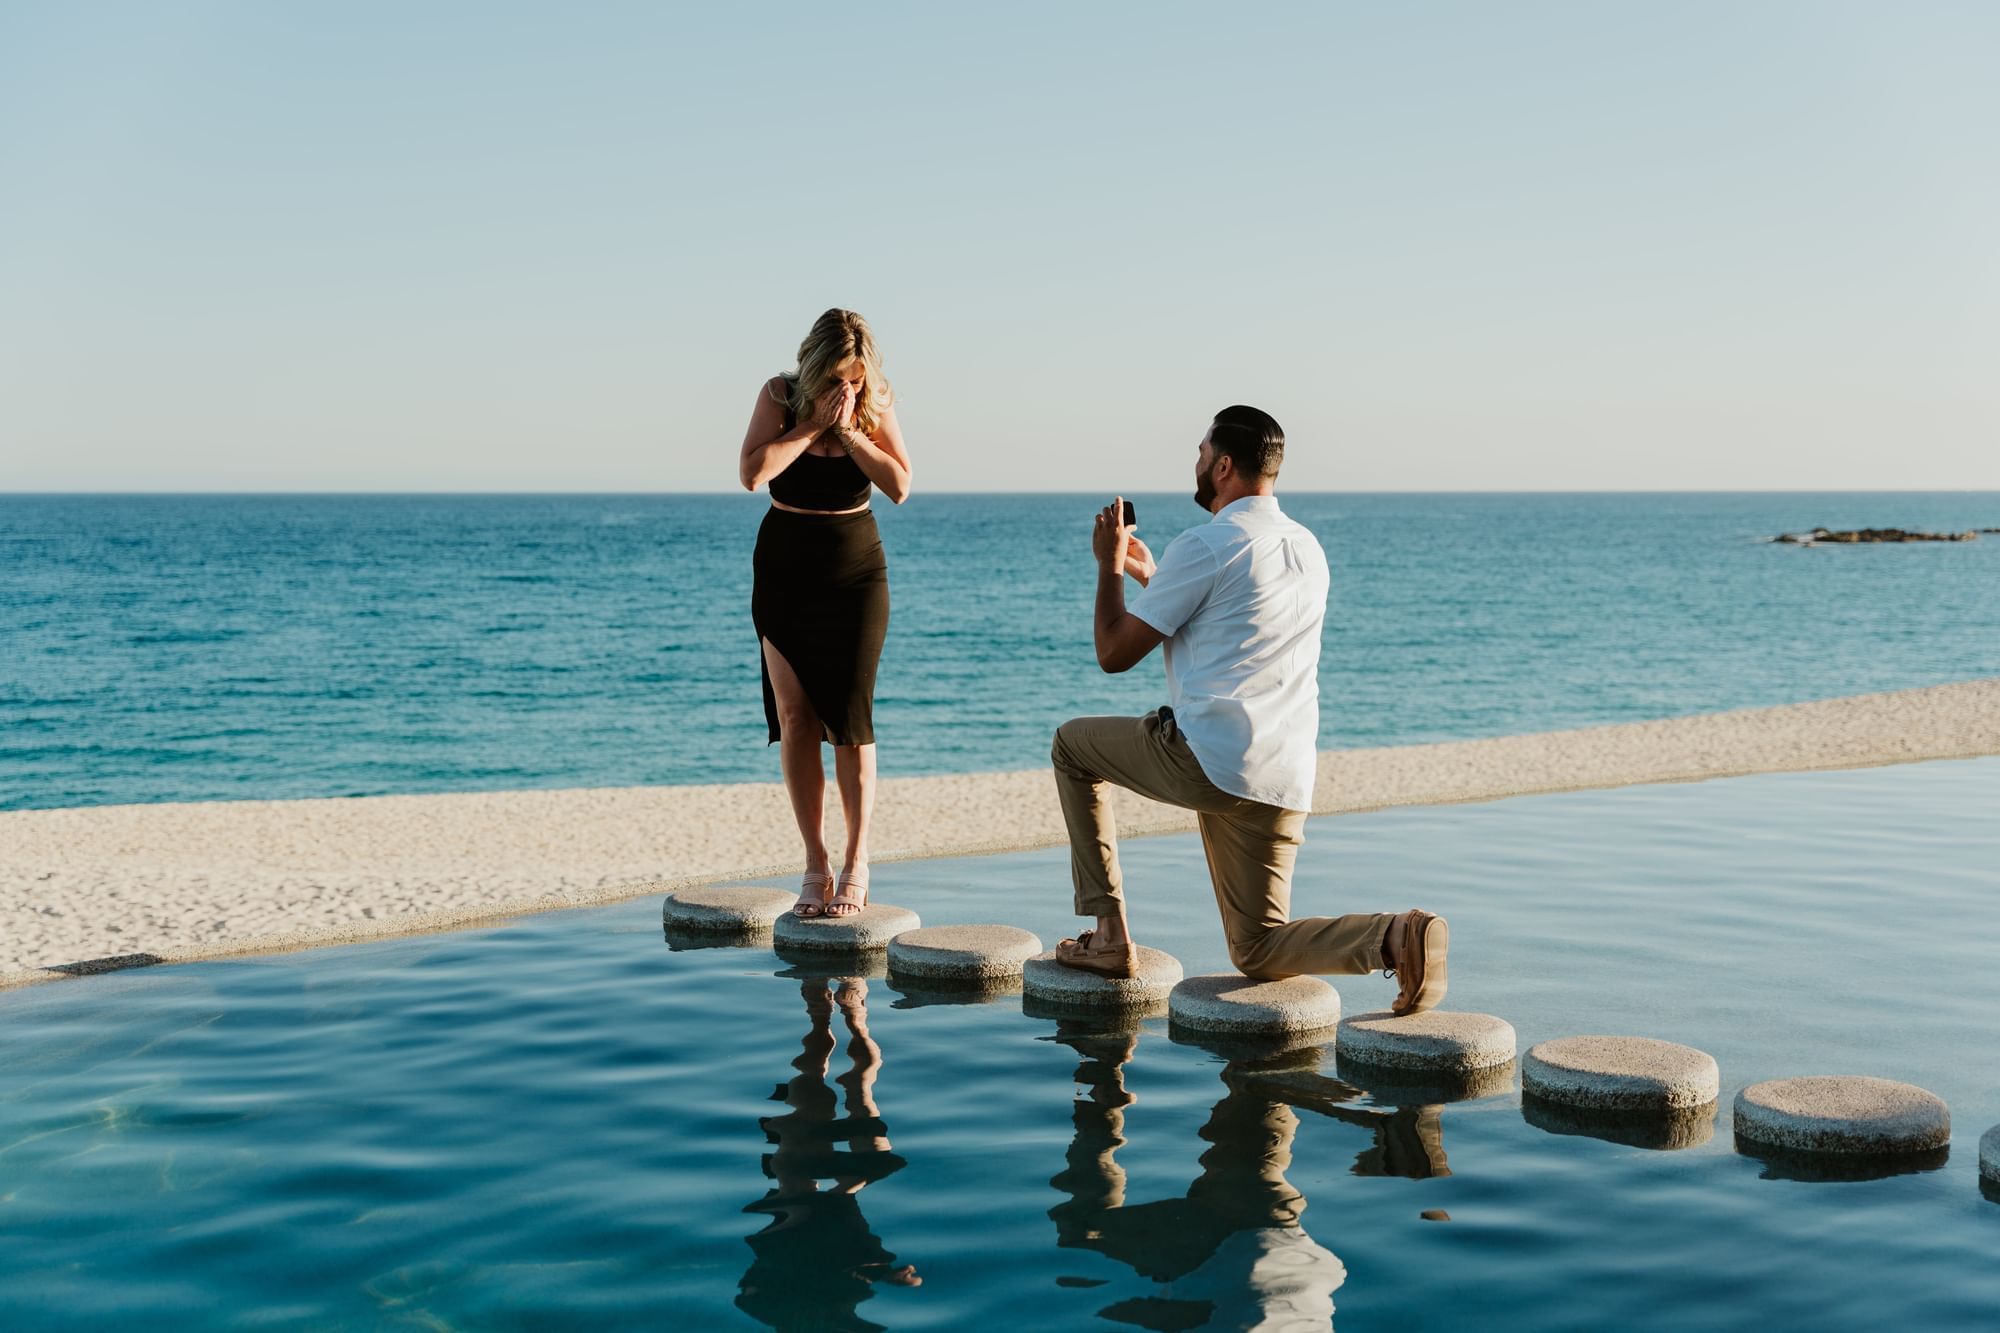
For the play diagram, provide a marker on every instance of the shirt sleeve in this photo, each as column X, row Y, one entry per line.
column 1178, row 587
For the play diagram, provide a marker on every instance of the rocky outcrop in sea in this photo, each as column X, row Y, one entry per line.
column 1824, row 536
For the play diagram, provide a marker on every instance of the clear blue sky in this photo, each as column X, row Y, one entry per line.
column 1451, row 246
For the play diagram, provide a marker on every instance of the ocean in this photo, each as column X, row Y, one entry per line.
column 198, row 647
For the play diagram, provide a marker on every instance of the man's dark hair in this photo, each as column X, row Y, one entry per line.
column 1253, row 440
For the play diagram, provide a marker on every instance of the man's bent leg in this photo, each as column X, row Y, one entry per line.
column 1251, row 851
column 1092, row 754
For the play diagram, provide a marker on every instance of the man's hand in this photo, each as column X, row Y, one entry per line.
column 1139, row 562
column 1122, row 639
column 1110, row 538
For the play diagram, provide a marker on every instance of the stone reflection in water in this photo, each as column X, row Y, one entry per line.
column 1781, row 1164
column 817, row 1261
column 1662, row 1131
column 1408, row 1135
column 1233, row 1252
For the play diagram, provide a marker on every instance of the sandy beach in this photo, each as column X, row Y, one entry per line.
column 93, row 889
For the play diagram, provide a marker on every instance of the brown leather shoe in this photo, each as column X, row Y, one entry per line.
column 1107, row 960
column 1421, row 942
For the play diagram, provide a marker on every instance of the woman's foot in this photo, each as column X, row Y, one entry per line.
column 851, row 896
column 812, row 894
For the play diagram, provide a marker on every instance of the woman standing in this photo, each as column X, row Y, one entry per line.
column 822, row 437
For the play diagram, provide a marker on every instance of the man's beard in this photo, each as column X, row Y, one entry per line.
column 1204, row 487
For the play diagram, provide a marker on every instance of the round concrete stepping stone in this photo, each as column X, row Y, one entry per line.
column 1620, row 1074
column 1989, row 1156
column 1045, row 980
column 870, row 928
column 968, row 955
column 1842, row 1114
column 729, row 909
column 1435, row 1041
column 1230, row 1004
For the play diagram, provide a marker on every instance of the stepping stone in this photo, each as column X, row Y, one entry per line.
column 1620, row 1074
column 1057, row 987
column 725, row 909
column 1437, row 1041
column 1989, row 1157
column 870, row 928
column 1233, row 1005
column 1842, row 1114
column 962, row 955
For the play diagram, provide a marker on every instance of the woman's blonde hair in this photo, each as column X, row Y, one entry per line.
column 837, row 336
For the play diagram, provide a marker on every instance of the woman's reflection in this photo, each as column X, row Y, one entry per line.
column 1233, row 1252
column 817, row 1260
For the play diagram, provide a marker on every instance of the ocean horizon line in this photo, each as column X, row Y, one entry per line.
column 530, row 493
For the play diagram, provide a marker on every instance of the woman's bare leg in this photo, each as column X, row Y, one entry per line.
column 799, row 732
column 854, row 770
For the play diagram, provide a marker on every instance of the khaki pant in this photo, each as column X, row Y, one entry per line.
column 1251, row 847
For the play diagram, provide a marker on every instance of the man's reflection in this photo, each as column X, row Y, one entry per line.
column 1408, row 1139
column 1233, row 1252
column 817, row 1260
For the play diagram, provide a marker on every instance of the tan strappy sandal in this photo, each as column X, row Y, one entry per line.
column 844, row 902
column 812, row 894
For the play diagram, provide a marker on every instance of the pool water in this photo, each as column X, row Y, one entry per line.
column 565, row 1121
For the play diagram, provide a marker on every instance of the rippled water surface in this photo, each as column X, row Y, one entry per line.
column 563, row 1122
column 170, row 648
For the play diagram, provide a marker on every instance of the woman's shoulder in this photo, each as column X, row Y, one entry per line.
column 779, row 388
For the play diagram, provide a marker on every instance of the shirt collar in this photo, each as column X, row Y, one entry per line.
column 1249, row 503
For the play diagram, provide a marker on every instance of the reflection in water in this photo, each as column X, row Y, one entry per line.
column 1408, row 1138
column 1233, row 1251
column 923, row 993
column 1413, row 1087
column 1782, row 1164
column 817, row 1260
column 682, row 939
column 1663, row 1131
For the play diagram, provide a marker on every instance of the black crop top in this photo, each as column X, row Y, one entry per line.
column 816, row 481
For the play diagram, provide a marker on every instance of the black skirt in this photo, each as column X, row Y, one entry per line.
column 821, row 598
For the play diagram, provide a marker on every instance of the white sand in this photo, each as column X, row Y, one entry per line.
column 203, row 880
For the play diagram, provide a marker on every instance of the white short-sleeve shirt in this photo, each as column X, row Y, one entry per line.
column 1241, row 600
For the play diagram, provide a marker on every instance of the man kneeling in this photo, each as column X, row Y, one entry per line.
column 1239, row 602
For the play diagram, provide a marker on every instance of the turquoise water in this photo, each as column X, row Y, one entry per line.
column 564, row 1122
column 165, row 648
